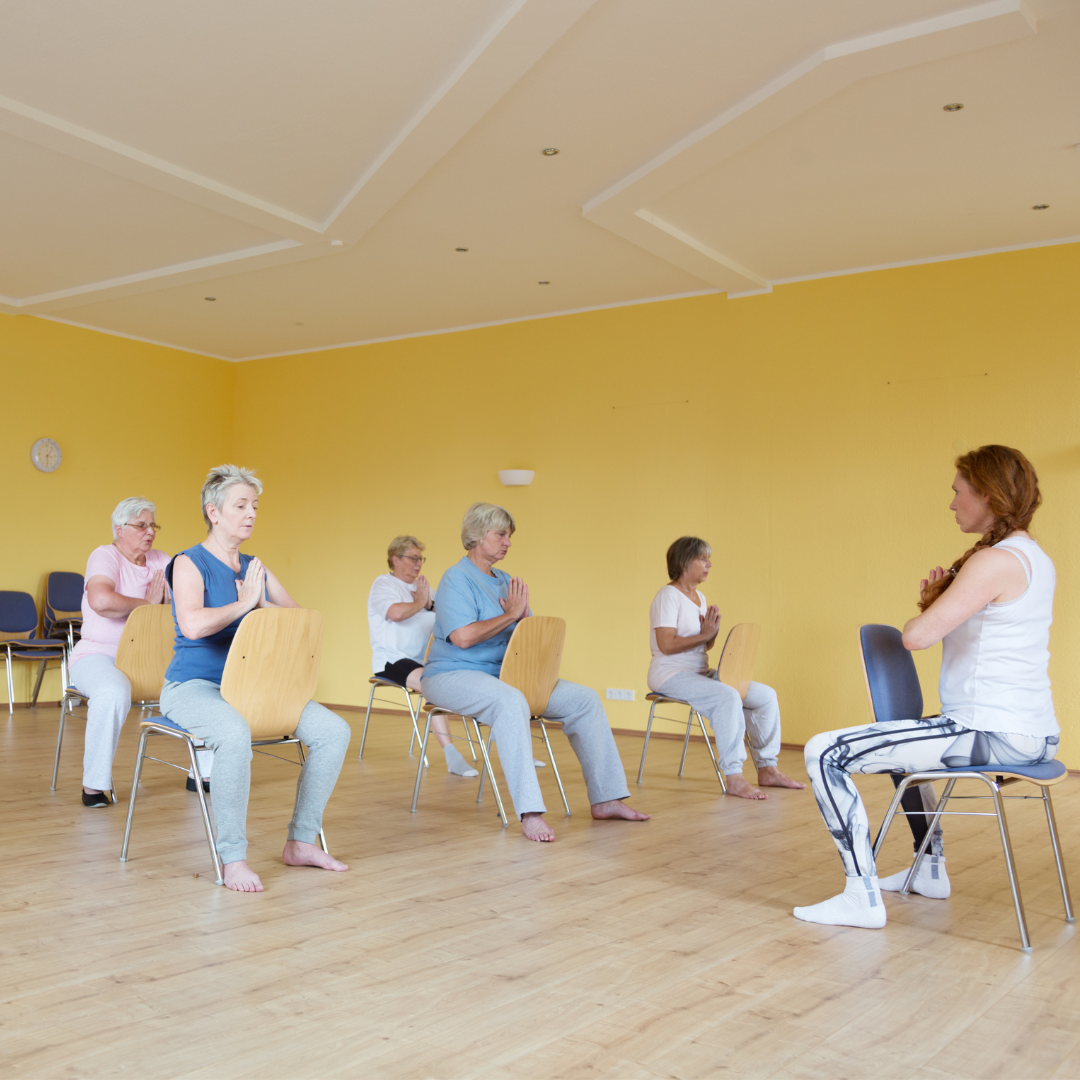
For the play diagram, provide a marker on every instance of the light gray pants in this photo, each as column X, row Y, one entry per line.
column 198, row 707
column 758, row 716
column 108, row 694
column 506, row 712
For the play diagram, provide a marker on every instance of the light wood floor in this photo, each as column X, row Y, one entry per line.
column 453, row 948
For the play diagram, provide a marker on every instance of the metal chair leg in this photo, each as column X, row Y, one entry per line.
column 134, row 791
column 210, row 839
column 10, row 684
column 554, row 767
column 367, row 717
column 889, row 815
column 472, row 749
column 415, row 714
column 645, row 748
column 712, row 757
column 37, row 683
column 485, row 750
column 1006, row 847
column 686, row 741
column 906, row 890
column 59, row 742
column 420, row 764
column 1063, row 881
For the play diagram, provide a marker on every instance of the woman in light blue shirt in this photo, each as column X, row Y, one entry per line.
column 478, row 609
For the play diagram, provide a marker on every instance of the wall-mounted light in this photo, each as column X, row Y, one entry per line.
column 516, row 477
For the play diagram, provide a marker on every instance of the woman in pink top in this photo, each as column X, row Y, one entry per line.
column 120, row 577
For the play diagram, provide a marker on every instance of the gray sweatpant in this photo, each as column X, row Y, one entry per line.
column 758, row 715
column 198, row 707
column 506, row 712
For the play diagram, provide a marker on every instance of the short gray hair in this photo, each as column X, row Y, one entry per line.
column 482, row 518
column 127, row 509
column 218, row 481
column 398, row 546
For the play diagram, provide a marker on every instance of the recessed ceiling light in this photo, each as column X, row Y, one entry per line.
column 550, row 151
column 954, row 106
column 543, row 283
column 461, row 249
column 1041, row 206
column 209, row 297
column 337, row 243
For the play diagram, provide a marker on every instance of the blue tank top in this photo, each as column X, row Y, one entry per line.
column 204, row 658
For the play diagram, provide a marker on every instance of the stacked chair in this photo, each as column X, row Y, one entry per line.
column 18, row 637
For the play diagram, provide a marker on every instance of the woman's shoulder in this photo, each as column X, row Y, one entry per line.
column 102, row 560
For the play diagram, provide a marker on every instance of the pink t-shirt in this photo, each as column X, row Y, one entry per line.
column 101, row 636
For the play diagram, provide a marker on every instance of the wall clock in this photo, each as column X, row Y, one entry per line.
column 45, row 454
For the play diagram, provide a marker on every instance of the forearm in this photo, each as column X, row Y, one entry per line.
column 115, row 605
column 203, row 622
column 467, row 636
column 918, row 634
column 682, row 644
column 401, row 612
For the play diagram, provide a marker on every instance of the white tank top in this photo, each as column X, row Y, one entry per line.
column 994, row 666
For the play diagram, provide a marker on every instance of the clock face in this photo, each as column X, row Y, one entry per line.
column 45, row 454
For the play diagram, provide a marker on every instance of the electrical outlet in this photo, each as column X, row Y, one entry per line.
column 619, row 695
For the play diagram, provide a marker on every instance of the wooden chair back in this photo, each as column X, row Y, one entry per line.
column 533, row 658
column 146, row 649
column 736, row 666
column 272, row 669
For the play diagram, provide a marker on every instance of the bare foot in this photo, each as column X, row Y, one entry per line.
column 536, row 828
column 240, row 878
column 616, row 808
column 297, row 853
column 738, row 786
column 771, row 776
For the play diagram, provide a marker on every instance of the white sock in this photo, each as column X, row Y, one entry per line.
column 539, row 764
column 456, row 764
column 931, row 880
column 860, row 904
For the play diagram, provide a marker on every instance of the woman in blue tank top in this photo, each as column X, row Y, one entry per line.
column 214, row 586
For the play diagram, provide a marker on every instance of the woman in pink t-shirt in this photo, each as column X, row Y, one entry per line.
column 120, row 577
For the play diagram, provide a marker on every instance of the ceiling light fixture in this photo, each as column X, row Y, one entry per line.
column 461, row 249
column 209, row 297
column 550, row 151
column 954, row 106
column 543, row 283
column 1041, row 206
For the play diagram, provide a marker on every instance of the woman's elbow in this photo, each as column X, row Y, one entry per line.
column 914, row 640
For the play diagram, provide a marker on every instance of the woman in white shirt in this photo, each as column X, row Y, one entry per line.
column 992, row 612
column 401, row 614
column 681, row 631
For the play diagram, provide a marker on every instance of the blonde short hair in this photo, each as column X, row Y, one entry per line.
column 482, row 518
column 398, row 546
column 218, row 481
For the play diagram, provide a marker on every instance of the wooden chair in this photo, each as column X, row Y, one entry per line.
column 414, row 707
column 270, row 675
column 735, row 669
column 892, row 685
column 531, row 664
column 144, row 652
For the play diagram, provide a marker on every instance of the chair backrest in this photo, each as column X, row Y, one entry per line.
column 18, row 616
column 533, row 657
column 892, row 683
column 146, row 649
column 63, row 596
column 272, row 669
column 736, row 667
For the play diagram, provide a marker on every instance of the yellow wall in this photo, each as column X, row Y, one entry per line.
column 130, row 418
column 808, row 435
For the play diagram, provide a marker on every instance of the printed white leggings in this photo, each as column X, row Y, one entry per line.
column 901, row 746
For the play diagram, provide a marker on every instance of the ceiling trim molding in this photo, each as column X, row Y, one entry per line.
column 524, row 31
column 624, row 207
column 574, row 311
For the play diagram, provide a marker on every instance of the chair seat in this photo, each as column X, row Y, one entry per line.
column 164, row 721
column 1045, row 772
column 377, row 680
column 664, row 699
column 37, row 654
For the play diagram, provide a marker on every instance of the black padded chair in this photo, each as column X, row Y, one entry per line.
column 895, row 694
column 18, row 637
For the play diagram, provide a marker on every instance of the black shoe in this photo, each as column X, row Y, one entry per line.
column 191, row 784
column 99, row 798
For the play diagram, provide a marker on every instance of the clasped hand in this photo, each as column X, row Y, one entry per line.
column 155, row 591
column 710, row 622
column 252, row 590
column 516, row 603
column 422, row 592
column 935, row 576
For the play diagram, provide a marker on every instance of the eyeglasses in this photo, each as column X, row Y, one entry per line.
column 142, row 526
column 416, row 560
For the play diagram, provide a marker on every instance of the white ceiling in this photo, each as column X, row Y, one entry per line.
column 154, row 154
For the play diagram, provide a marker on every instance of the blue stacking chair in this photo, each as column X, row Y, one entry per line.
column 63, row 605
column 895, row 694
column 18, row 636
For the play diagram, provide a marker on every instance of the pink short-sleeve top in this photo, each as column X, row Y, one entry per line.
column 101, row 636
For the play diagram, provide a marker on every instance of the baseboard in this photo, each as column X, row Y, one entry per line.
column 40, row 705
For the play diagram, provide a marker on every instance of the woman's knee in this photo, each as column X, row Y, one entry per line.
column 817, row 747
column 320, row 727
